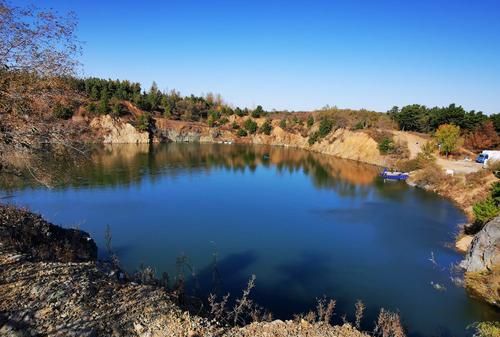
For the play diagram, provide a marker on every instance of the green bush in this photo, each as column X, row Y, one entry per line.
column 103, row 107
column 250, row 126
column 283, row 124
column 242, row 133
column 223, row 121
column 92, row 107
column 235, row 126
column 62, row 112
column 485, row 210
column 266, row 128
column 386, row 146
column 359, row 125
column 117, row 109
column 310, row 121
column 325, row 127
column 240, row 112
column 258, row 112
column 495, row 193
column 313, row 138
column 144, row 122
column 210, row 121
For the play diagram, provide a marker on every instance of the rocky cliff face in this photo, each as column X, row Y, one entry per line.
column 118, row 131
column 484, row 251
column 342, row 143
column 482, row 264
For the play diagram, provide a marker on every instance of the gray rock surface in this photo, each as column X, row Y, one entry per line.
column 484, row 251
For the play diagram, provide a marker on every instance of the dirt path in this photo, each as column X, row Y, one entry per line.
column 415, row 143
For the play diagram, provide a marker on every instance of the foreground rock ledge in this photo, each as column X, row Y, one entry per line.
column 482, row 263
column 52, row 285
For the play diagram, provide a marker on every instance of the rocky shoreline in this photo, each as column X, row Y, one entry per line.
column 51, row 284
column 342, row 143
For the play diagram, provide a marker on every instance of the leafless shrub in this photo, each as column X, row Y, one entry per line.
column 145, row 275
column 218, row 309
column 244, row 303
column 38, row 50
column 242, row 312
column 325, row 309
column 389, row 325
column 108, row 237
column 360, row 309
column 310, row 317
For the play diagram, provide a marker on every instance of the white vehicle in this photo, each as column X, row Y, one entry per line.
column 488, row 156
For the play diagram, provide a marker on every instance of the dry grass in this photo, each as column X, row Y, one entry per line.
column 485, row 285
column 486, row 329
column 325, row 309
column 431, row 175
column 360, row 308
column 494, row 165
column 389, row 325
column 475, row 179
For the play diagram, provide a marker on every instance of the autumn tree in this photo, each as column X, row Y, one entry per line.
column 38, row 54
column 448, row 138
column 38, row 49
column 484, row 137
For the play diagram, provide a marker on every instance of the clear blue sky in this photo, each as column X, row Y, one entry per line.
column 299, row 54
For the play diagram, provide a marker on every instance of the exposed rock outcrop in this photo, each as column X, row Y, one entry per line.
column 463, row 244
column 482, row 264
column 118, row 131
column 342, row 143
column 484, row 251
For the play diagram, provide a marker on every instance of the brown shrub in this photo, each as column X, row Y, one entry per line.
column 431, row 175
column 484, row 137
column 356, row 119
column 475, row 179
column 379, row 135
column 494, row 165
column 389, row 325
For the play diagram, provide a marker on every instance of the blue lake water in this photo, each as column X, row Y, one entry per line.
column 305, row 224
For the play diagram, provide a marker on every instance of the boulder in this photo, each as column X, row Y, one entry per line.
column 484, row 251
column 463, row 244
column 117, row 131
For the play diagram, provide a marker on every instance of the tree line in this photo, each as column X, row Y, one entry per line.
column 420, row 118
column 109, row 95
column 479, row 131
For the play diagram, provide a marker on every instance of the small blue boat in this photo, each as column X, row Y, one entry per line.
column 386, row 174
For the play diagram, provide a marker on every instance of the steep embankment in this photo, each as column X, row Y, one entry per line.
column 342, row 143
column 117, row 131
column 482, row 263
column 52, row 285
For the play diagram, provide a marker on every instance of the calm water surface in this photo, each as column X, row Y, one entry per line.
column 306, row 225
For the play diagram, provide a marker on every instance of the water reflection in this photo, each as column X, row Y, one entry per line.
column 306, row 224
column 129, row 164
